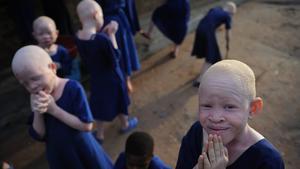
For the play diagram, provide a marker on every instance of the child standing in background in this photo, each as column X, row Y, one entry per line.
column 45, row 33
column 138, row 154
column 171, row 18
column 206, row 44
column 129, row 61
column 222, row 138
column 99, row 51
column 61, row 114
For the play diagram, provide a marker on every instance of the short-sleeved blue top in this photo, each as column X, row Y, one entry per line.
column 261, row 155
column 62, row 56
column 109, row 96
column 69, row 148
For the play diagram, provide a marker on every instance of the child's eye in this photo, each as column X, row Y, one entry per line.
column 229, row 106
column 205, row 105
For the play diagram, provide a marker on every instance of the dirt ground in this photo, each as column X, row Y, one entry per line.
column 265, row 36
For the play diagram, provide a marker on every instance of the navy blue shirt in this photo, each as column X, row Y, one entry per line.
column 261, row 155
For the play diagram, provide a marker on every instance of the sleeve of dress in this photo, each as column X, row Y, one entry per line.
column 80, row 104
column 191, row 147
column 274, row 162
column 120, row 162
column 67, row 62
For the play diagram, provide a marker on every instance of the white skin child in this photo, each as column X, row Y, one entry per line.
column 91, row 18
column 35, row 70
column 45, row 33
column 227, row 99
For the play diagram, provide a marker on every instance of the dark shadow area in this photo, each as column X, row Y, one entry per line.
column 295, row 2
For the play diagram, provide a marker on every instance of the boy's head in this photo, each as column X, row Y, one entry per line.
column 139, row 150
column 230, row 7
column 227, row 98
column 90, row 12
column 34, row 69
column 44, row 31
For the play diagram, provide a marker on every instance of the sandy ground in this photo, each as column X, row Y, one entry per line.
column 265, row 36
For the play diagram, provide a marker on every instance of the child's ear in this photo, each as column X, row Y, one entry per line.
column 256, row 106
column 53, row 67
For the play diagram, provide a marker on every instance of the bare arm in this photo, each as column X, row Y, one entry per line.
column 227, row 38
column 111, row 30
column 68, row 118
column 38, row 105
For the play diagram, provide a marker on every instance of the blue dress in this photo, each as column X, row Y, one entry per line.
column 155, row 163
column 66, row 147
column 206, row 44
column 261, row 155
column 113, row 11
column 172, row 18
column 109, row 95
column 62, row 56
column 131, row 13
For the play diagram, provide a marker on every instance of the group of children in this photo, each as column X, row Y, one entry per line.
column 63, row 118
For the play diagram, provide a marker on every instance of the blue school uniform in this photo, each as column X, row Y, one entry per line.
column 261, row 155
column 64, row 59
column 109, row 95
column 69, row 148
column 113, row 11
column 131, row 13
column 172, row 18
column 156, row 163
column 206, row 44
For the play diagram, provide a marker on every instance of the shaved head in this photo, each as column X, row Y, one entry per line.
column 29, row 57
column 230, row 7
column 237, row 74
column 86, row 9
column 43, row 21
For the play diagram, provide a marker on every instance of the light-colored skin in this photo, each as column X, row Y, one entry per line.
column 45, row 33
column 91, row 18
column 227, row 99
column 231, row 8
column 34, row 69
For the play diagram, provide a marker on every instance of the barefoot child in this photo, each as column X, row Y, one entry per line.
column 223, row 138
column 61, row 114
column 138, row 154
column 99, row 51
column 206, row 44
column 45, row 33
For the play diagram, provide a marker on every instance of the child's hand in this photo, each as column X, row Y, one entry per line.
column 39, row 102
column 216, row 156
column 111, row 28
column 51, row 105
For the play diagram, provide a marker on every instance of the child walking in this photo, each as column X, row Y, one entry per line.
column 45, row 33
column 222, row 138
column 99, row 50
column 61, row 114
column 139, row 154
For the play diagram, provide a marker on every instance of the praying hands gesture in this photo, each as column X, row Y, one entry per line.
column 215, row 156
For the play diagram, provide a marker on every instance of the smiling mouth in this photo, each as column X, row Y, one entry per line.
column 216, row 129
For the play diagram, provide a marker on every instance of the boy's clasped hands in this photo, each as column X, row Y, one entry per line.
column 215, row 154
column 41, row 102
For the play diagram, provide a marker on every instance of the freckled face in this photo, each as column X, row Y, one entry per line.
column 223, row 110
